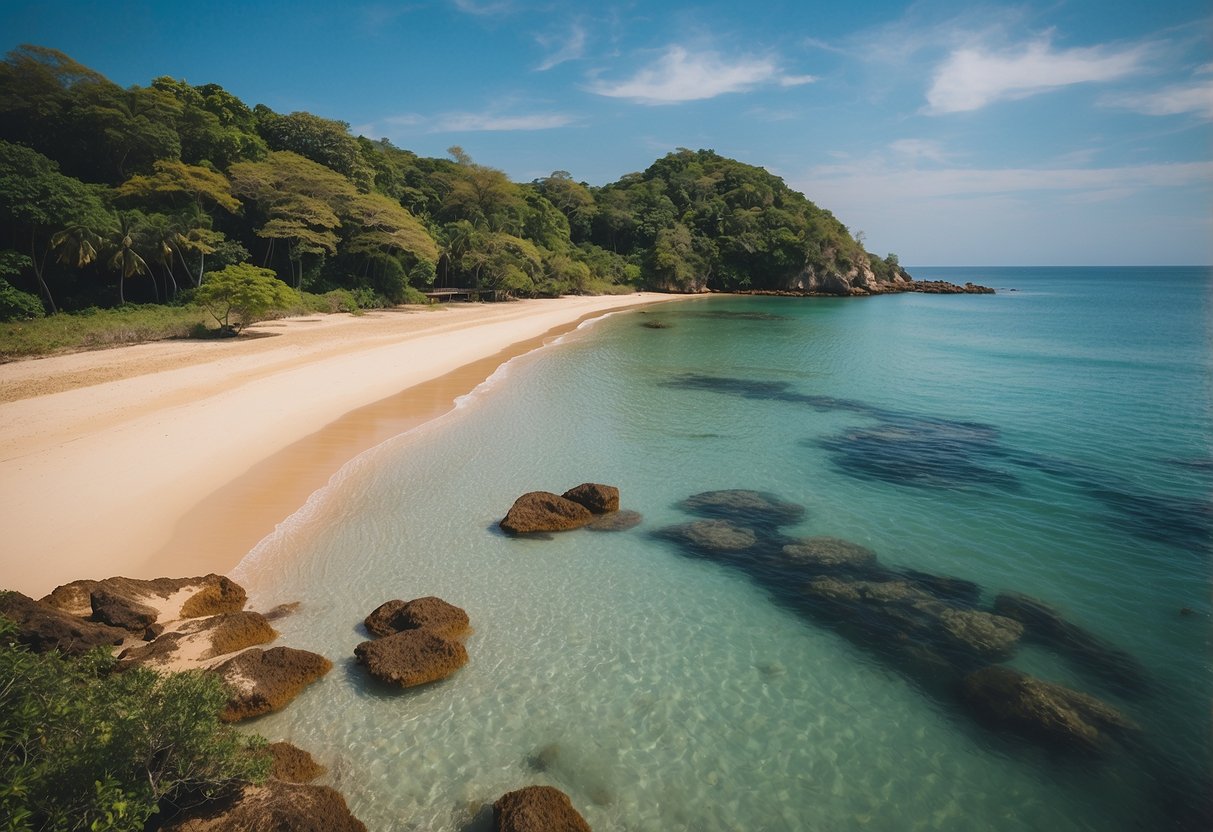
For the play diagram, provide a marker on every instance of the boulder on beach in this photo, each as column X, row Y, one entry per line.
column 543, row 511
column 1043, row 711
column 599, row 499
column 292, row 764
column 196, row 640
column 749, row 508
column 121, row 611
column 711, row 537
column 173, row 597
column 428, row 613
column 276, row 806
column 42, row 627
column 260, row 681
column 411, row 657
column 616, row 521
column 537, row 809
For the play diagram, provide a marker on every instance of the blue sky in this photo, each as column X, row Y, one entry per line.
column 1059, row 132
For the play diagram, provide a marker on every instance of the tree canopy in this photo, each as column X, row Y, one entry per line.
column 100, row 185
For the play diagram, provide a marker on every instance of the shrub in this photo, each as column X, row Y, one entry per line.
column 16, row 305
column 85, row 747
column 244, row 290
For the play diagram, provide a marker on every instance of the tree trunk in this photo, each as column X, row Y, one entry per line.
column 33, row 256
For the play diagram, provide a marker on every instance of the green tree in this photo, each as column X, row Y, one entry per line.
column 83, row 747
column 244, row 291
column 322, row 140
column 124, row 259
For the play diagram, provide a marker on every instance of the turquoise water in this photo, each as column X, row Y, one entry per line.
column 1052, row 439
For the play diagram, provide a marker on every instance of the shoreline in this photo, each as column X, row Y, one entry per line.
column 166, row 459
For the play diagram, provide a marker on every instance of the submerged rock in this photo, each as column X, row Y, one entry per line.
column 277, row 806
column 42, row 627
column 429, row 613
column 616, row 521
column 260, row 681
column 411, row 657
column 751, row 508
column 710, row 536
column 599, row 499
column 543, row 511
column 1043, row 711
column 537, row 809
column 827, row 553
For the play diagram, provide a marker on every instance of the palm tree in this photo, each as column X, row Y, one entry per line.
column 125, row 260
column 77, row 246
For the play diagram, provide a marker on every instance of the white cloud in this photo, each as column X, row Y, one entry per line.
column 463, row 122
column 568, row 47
column 1196, row 97
column 972, row 77
column 919, row 149
column 679, row 75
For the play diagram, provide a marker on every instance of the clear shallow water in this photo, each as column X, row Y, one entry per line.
column 668, row 692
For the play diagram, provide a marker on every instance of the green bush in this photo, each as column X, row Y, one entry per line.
column 16, row 305
column 83, row 747
column 244, row 291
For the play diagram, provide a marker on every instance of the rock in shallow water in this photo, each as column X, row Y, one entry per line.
column 616, row 521
column 543, row 511
column 743, row 506
column 277, row 806
column 827, row 553
column 260, row 681
column 598, row 498
column 292, row 764
column 710, row 536
column 411, row 657
column 537, row 809
column 428, row 613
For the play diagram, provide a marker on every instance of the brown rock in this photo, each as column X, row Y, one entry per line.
column 616, row 521
column 537, row 809
column 199, row 639
column 220, row 594
column 1042, row 710
column 275, row 807
column 214, row 597
column 261, row 681
column 121, row 611
column 292, row 764
column 600, row 499
column 41, row 627
column 283, row 610
column 411, row 657
column 542, row 511
column 428, row 613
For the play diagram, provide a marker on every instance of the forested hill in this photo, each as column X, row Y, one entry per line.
column 110, row 195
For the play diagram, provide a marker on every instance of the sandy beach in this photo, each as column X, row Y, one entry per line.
column 175, row 458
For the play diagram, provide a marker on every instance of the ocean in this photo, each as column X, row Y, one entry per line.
column 1053, row 439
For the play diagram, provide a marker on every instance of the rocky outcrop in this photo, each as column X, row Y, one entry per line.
column 214, row 594
column 860, row 280
column 598, row 498
column 429, row 613
column 292, row 764
column 537, row 809
column 277, row 806
column 42, row 627
column 411, row 657
column 1043, row 711
column 260, row 681
column 121, row 611
column 194, row 641
column 745, row 507
column 543, row 511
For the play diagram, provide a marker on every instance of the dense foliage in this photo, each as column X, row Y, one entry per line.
column 85, row 747
column 111, row 194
